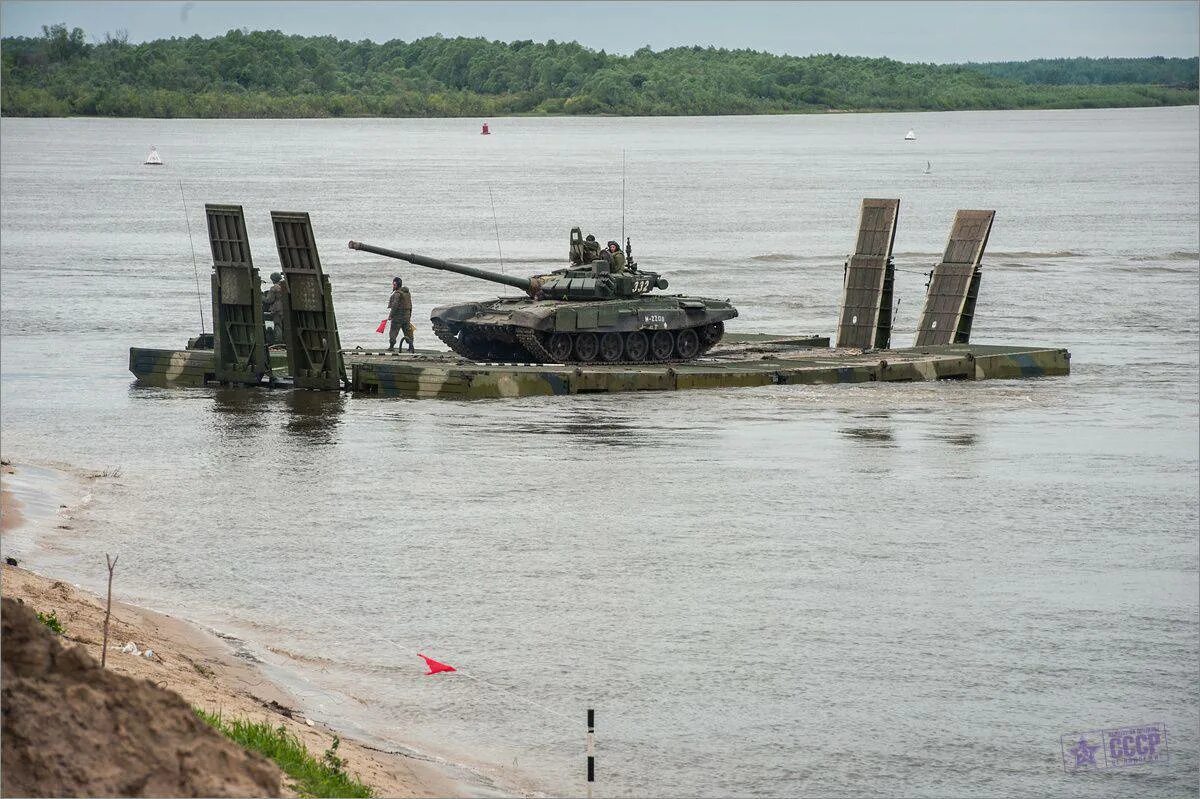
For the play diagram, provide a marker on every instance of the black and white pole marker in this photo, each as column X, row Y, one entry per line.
column 591, row 751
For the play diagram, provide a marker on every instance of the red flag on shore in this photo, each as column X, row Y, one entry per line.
column 382, row 326
column 434, row 666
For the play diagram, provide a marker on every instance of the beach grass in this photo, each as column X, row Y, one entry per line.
column 51, row 621
column 323, row 776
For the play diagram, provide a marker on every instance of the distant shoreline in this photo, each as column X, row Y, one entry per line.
column 266, row 74
column 829, row 112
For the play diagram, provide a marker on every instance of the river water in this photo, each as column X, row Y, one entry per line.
column 886, row 589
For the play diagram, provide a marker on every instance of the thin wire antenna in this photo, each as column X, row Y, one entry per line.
column 497, row 224
column 195, row 268
column 622, row 195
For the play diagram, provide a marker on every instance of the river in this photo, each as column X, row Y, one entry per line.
column 871, row 590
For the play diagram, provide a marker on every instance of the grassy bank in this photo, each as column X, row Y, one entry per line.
column 312, row 776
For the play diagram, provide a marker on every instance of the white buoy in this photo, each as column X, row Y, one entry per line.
column 153, row 159
column 910, row 136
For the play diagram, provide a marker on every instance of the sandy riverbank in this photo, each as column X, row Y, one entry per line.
column 204, row 670
column 10, row 508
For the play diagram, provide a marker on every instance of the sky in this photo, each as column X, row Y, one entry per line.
column 939, row 32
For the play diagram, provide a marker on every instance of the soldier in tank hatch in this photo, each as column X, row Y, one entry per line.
column 606, row 258
column 618, row 257
column 591, row 249
column 400, row 314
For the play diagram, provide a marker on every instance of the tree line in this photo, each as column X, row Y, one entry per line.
column 269, row 74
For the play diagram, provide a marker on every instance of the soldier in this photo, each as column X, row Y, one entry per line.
column 591, row 249
column 618, row 257
column 400, row 313
column 274, row 303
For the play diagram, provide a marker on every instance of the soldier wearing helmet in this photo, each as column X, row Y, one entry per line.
column 618, row 257
column 400, row 314
column 273, row 302
column 591, row 249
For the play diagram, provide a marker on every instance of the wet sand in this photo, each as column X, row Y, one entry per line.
column 10, row 508
column 204, row 670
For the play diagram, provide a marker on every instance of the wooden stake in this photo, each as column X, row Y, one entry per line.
column 112, row 564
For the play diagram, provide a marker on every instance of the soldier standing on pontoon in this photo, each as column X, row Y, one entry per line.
column 400, row 314
column 274, row 303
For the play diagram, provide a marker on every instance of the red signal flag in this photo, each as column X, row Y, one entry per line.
column 382, row 326
column 434, row 666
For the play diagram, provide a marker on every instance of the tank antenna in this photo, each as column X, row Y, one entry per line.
column 622, row 193
column 497, row 224
column 195, row 269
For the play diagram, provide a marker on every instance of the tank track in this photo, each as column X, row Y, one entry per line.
column 706, row 347
column 530, row 341
column 452, row 341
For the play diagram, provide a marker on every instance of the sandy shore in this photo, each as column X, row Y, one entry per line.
column 10, row 508
column 203, row 669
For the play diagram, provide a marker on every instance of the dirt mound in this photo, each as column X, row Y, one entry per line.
column 71, row 728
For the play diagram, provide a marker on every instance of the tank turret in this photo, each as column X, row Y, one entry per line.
column 595, row 281
column 587, row 313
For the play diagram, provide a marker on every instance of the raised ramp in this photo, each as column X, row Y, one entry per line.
column 954, row 285
column 310, row 327
column 866, row 317
column 239, row 336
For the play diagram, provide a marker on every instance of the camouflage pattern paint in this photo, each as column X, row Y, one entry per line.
column 428, row 374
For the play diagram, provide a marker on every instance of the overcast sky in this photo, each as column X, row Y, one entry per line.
column 909, row 31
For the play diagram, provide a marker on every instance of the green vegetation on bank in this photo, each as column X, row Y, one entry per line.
column 269, row 74
column 1176, row 72
column 51, row 620
column 314, row 777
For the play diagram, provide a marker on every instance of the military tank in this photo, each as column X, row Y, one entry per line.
column 587, row 313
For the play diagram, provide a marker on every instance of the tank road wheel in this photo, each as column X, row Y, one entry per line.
column 687, row 344
column 662, row 344
column 559, row 347
column 587, row 346
column 711, row 334
column 636, row 346
column 611, row 347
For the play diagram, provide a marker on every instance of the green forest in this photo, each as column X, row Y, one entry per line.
column 249, row 74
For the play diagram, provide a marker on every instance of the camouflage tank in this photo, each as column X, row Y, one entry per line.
column 588, row 313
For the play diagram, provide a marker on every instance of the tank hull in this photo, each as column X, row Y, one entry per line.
column 647, row 329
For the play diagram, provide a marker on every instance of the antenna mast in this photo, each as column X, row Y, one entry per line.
column 195, row 269
column 497, row 224
column 622, row 194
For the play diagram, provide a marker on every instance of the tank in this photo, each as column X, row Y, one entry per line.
column 587, row 313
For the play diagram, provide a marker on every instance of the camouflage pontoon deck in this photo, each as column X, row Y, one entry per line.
column 730, row 367
column 746, row 360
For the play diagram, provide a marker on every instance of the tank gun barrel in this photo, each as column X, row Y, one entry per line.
column 523, row 283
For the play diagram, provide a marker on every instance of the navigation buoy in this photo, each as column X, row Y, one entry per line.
column 485, row 131
column 153, row 159
column 910, row 136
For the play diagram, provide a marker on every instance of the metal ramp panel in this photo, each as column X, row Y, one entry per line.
column 314, row 349
column 954, row 283
column 239, row 336
column 865, row 320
